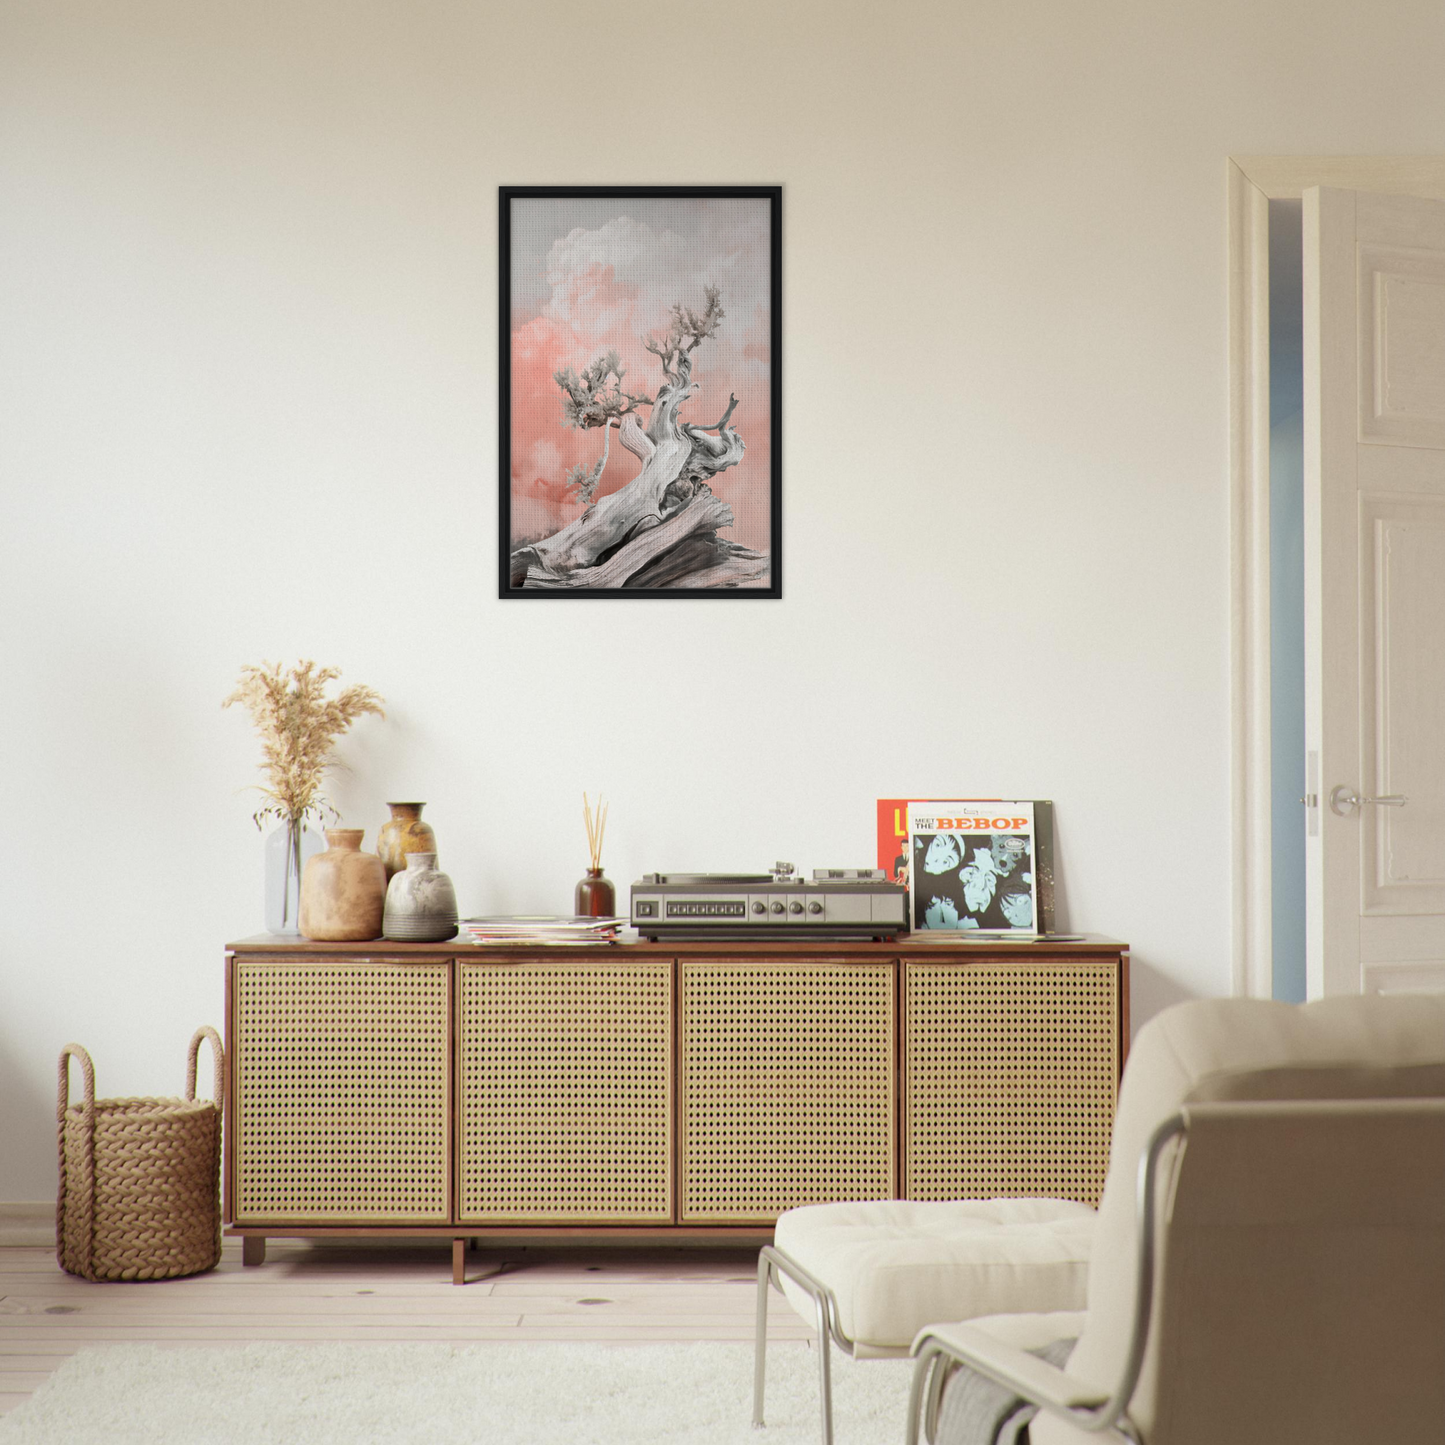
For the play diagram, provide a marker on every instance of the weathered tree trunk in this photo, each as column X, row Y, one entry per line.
column 632, row 436
column 660, row 530
column 705, row 562
column 703, row 513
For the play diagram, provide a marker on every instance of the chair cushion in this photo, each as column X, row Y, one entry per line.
column 896, row 1265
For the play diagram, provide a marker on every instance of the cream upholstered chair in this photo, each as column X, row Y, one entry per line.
column 1269, row 1259
column 870, row 1275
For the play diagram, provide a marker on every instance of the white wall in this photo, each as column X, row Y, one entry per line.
column 248, row 290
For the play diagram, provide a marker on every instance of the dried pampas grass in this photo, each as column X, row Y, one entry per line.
column 298, row 724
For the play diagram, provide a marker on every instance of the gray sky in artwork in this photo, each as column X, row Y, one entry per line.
column 669, row 243
column 591, row 277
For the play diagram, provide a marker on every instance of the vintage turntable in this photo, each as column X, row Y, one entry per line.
column 834, row 903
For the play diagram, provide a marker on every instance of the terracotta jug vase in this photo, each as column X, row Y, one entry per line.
column 403, row 833
column 343, row 890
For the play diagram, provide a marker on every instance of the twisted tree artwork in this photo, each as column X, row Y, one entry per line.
column 653, row 315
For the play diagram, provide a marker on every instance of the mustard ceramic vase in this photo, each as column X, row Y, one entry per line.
column 403, row 833
column 343, row 890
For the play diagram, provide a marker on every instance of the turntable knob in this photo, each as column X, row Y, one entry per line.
column 815, row 907
column 777, row 908
column 795, row 907
column 759, row 906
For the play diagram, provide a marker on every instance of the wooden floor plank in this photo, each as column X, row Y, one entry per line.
column 44, row 1309
column 336, row 1261
column 40, row 1361
column 56, row 1309
column 551, row 1332
column 23, row 1381
column 66, row 1290
column 382, row 1292
column 337, row 1327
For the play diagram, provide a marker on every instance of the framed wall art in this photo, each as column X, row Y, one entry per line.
column 641, row 416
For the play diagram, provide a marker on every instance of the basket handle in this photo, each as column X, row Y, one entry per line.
column 84, row 1186
column 218, row 1055
column 87, row 1070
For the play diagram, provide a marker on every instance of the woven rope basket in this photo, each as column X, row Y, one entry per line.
column 139, row 1178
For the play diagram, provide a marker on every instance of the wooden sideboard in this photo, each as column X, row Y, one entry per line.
column 657, row 1091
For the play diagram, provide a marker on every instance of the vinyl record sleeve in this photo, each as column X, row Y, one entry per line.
column 894, row 856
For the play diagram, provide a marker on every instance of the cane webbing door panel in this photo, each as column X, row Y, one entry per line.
column 787, row 1078
column 640, row 1089
column 566, row 1092
column 1010, row 1075
column 342, row 1091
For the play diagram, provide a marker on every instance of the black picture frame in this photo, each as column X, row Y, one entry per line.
column 732, row 569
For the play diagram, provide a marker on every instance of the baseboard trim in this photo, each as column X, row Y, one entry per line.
column 28, row 1223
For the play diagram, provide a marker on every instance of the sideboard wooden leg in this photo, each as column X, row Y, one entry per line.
column 459, row 1261
column 253, row 1249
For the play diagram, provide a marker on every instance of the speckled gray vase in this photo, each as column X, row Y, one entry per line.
column 421, row 904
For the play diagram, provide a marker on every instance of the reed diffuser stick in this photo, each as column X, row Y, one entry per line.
column 595, row 896
column 596, row 827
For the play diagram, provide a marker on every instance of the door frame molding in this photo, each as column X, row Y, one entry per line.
column 1252, row 182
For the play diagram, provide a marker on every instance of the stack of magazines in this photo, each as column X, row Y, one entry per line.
column 525, row 928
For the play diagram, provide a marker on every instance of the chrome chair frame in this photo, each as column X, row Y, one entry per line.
column 771, row 1264
column 937, row 1358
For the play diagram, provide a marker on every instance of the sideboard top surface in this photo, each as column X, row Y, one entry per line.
column 912, row 946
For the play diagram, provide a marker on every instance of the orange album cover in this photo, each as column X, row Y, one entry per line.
column 893, row 832
column 893, row 846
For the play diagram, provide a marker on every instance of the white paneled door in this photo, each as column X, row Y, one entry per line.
column 1374, row 281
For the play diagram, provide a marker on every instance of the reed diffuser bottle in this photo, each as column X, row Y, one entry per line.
column 595, row 896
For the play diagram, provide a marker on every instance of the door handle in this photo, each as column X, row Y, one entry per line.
column 1344, row 800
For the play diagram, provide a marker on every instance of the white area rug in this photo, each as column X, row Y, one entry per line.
column 488, row 1394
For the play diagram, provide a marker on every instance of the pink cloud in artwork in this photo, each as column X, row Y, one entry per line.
column 589, row 283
